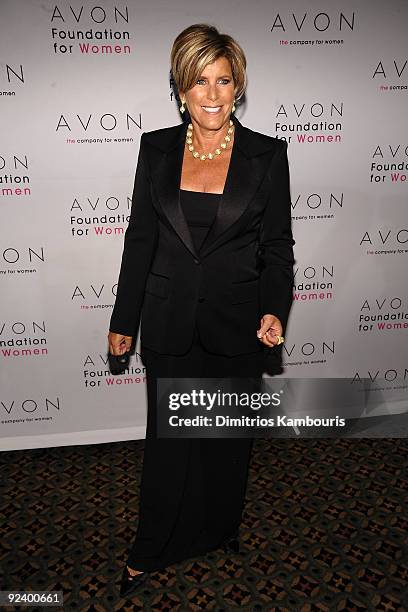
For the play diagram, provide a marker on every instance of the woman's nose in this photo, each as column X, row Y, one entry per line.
column 212, row 92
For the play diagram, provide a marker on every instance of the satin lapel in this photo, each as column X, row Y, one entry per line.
column 243, row 180
column 167, row 180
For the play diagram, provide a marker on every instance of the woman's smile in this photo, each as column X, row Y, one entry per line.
column 212, row 110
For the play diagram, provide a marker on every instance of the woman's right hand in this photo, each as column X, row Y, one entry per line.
column 118, row 343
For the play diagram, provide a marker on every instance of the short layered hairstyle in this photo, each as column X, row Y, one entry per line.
column 201, row 44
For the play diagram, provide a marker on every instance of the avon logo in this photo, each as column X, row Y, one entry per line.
column 387, row 70
column 13, row 163
column 319, row 22
column 97, row 14
column 11, row 255
column 382, row 237
column 395, row 303
column 18, row 327
column 12, row 74
column 107, row 122
column 31, row 405
column 383, row 151
column 388, row 375
column 96, row 203
column 304, row 111
column 313, row 273
column 92, row 292
column 309, row 349
column 318, row 201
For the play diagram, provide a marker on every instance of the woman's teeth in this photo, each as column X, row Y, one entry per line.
column 211, row 109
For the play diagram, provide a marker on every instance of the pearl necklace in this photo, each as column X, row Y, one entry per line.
column 223, row 145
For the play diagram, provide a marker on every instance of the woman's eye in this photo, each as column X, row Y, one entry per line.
column 225, row 81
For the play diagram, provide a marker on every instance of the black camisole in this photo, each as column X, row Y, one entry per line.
column 200, row 209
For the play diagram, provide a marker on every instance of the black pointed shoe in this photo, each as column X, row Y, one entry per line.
column 232, row 544
column 130, row 583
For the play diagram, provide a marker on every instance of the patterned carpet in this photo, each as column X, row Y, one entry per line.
column 325, row 529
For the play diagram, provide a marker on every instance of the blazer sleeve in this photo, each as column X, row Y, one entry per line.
column 139, row 246
column 276, row 243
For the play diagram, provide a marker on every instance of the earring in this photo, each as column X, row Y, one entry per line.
column 182, row 108
column 233, row 106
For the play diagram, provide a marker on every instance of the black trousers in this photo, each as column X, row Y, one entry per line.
column 192, row 490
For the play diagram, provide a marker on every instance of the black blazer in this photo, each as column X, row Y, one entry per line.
column 244, row 268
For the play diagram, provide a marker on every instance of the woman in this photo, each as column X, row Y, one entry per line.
column 208, row 268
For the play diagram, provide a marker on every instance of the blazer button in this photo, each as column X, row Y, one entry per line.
column 201, row 299
column 196, row 261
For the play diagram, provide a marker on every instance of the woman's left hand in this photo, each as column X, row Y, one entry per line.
column 270, row 330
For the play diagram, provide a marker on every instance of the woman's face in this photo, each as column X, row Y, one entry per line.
column 215, row 90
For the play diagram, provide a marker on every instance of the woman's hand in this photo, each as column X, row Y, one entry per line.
column 118, row 343
column 270, row 330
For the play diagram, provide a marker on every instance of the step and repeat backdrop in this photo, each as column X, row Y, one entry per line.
column 80, row 81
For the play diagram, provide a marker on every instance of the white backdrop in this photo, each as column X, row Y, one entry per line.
column 79, row 83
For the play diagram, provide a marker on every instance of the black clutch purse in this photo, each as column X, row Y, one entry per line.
column 118, row 363
column 273, row 360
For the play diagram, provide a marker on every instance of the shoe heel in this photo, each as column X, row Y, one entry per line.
column 129, row 584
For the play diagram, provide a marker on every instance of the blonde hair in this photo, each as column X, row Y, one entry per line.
column 201, row 44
